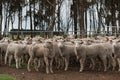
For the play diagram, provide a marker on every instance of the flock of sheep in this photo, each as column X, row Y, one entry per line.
column 41, row 52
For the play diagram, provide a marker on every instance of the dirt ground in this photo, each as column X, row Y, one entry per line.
column 71, row 74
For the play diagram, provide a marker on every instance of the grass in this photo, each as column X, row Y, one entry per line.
column 23, row 65
column 6, row 77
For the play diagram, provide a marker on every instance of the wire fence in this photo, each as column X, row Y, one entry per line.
column 50, row 34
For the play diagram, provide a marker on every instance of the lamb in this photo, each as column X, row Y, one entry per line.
column 117, row 52
column 44, row 51
column 91, row 51
column 67, row 51
column 17, row 51
column 3, row 48
column 109, row 51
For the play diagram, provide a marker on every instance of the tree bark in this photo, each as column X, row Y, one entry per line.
column 1, row 18
column 81, row 16
column 75, row 17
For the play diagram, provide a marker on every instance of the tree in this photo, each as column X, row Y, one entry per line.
column 1, row 17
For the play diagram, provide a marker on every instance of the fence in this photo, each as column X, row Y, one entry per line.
column 58, row 33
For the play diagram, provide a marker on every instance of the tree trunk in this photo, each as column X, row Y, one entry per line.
column 81, row 16
column 1, row 18
column 94, row 28
column 90, row 24
column 113, row 17
column 5, row 18
column 99, row 20
column 34, row 18
column 30, row 20
column 12, row 21
column 86, row 22
column 18, row 33
column 75, row 17
column 107, row 23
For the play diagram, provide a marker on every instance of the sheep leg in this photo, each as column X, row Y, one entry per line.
column 17, row 62
column 42, row 63
column 35, row 64
column 26, row 58
column 66, row 63
column 104, row 63
column 47, row 64
column 6, row 55
column 29, row 63
column 10, row 59
column 51, row 63
column 113, row 63
column 93, row 63
column 109, row 63
column 0, row 58
column 81, row 64
column 62, row 62
column 58, row 63
column 20, row 60
column 118, row 59
column 38, row 63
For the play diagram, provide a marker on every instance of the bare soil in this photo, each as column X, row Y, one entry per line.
column 71, row 74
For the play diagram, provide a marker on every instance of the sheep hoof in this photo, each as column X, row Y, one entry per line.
column 47, row 72
column 105, row 70
column 99, row 69
column 92, row 68
column 37, row 70
column 51, row 71
column 113, row 69
column 80, row 71
column 17, row 68
column 29, row 70
column 65, row 69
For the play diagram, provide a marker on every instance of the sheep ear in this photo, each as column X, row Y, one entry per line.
column 118, row 41
column 56, row 40
column 114, row 38
column 111, row 41
column 73, row 42
column 95, row 38
column 16, row 42
column 107, row 39
column 8, row 41
column 81, row 42
column 64, row 40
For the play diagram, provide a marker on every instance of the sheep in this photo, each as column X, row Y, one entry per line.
column 44, row 51
column 67, row 51
column 117, row 52
column 3, row 48
column 109, row 52
column 58, row 56
column 92, row 51
column 17, row 51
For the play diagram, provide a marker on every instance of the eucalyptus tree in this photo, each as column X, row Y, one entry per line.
column 1, row 16
column 113, row 8
column 78, row 9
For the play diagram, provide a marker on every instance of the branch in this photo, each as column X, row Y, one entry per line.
column 50, row 3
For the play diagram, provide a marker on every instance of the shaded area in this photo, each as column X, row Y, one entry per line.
column 71, row 74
